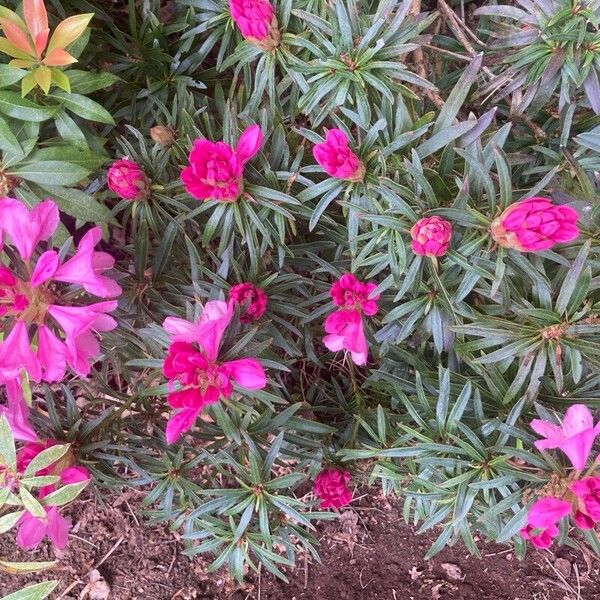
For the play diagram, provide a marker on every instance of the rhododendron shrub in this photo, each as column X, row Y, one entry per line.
column 260, row 256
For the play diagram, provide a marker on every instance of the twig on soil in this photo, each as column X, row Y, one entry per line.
column 83, row 540
column 74, row 584
column 172, row 563
column 565, row 582
column 305, row 571
column 109, row 553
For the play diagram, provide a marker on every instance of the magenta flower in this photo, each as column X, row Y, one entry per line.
column 196, row 377
column 336, row 157
column 431, row 236
column 253, row 298
column 127, row 180
column 350, row 293
column 344, row 327
column 535, row 224
column 588, row 492
column 216, row 170
column 42, row 335
column 17, row 412
column 541, row 521
column 575, row 436
column 256, row 21
column 331, row 487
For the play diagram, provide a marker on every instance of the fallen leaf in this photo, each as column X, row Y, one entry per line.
column 452, row 571
column 435, row 591
column 415, row 573
column 563, row 566
column 97, row 588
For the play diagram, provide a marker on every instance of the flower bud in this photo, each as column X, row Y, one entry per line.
column 431, row 236
column 336, row 157
column 126, row 179
column 257, row 22
column 163, row 135
column 535, row 224
column 331, row 487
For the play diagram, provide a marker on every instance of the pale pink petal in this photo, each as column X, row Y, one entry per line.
column 547, row 429
column 214, row 319
column 52, row 354
column 181, row 330
column 577, row 418
column 26, row 228
column 45, row 268
column 180, row 422
column 246, row 372
column 578, row 447
column 74, row 475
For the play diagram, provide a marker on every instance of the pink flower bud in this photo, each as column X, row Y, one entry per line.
column 257, row 22
column 252, row 298
column 216, row 170
column 331, row 487
column 336, row 157
column 126, row 179
column 431, row 236
column 535, row 224
column 588, row 492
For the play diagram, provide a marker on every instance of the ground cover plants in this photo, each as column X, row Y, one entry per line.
column 257, row 256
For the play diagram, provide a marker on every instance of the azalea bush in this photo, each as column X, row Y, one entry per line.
column 261, row 256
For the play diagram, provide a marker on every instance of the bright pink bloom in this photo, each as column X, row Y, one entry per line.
column 196, row 377
column 349, row 293
column 41, row 335
column 575, row 436
column 17, row 412
column 535, row 224
column 32, row 530
column 345, row 331
column 250, row 297
column 541, row 521
column 336, row 157
column 331, row 486
column 216, row 170
column 126, row 179
column 256, row 20
column 588, row 491
column 431, row 236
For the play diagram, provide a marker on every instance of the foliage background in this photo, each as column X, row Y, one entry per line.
column 455, row 111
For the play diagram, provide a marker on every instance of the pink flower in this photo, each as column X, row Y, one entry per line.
column 331, row 487
column 535, row 224
column 588, row 492
column 575, row 436
column 345, row 331
column 32, row 530
column 216, row 170
column 42, row 335
column 126, row 179
column 196, row 377
column 541, row 521
column 431, row 236
column 252, row 298
column 349, row 293
column 336, row 157
column 17, row 412
column 257, row 22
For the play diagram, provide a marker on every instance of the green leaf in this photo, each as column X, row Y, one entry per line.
column 51, row 172
column 8, row 521
column 14, row 106
column 84, row 107
column 31, row 504
column 65, row 494
column 8, row 453
column 39, row 591
column 76, row 203
column 46, row 458
column 10, row 75
column 16, row 568
column 8, row 141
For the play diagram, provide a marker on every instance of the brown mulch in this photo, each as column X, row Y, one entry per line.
column 369, row 554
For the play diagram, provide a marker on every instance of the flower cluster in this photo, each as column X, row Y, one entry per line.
column 575, row 436
column 344, row 327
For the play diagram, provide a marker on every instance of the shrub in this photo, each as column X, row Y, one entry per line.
column 317, row 246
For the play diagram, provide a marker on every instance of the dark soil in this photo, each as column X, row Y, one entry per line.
column 369, row 554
